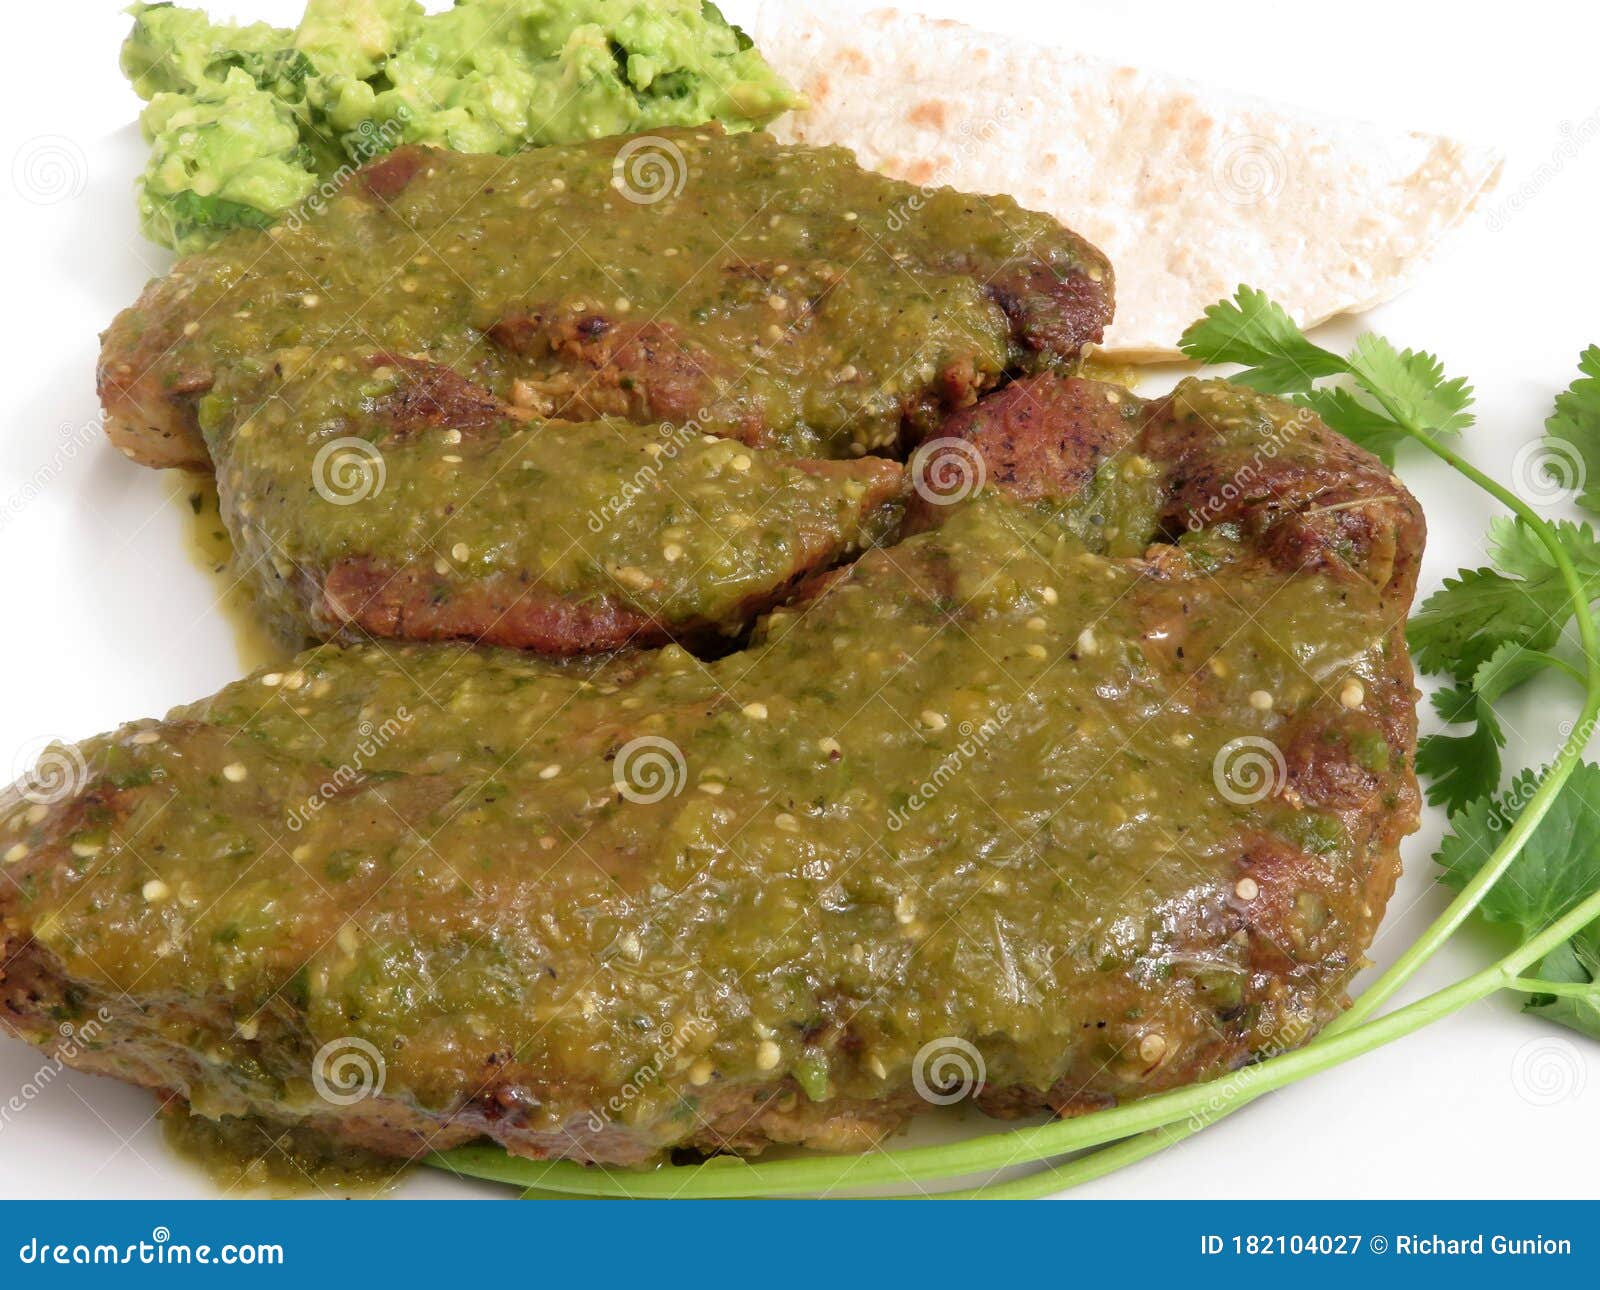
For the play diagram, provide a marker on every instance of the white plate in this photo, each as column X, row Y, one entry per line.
column 109, row 618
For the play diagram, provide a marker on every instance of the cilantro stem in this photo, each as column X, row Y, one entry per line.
column 1561, row 664
column 1568, row 989
column 1085, row 1168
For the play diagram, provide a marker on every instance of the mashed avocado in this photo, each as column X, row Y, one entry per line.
column 181, row 51
column 225, row 155
column 246, row 121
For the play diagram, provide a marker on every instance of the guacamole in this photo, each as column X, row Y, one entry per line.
column 246, row 122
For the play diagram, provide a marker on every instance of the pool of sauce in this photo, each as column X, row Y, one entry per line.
column 209, row 549
column 242, row 1156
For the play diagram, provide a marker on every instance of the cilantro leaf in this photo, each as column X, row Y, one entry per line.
column 1413, row 384
column 1510, row 666
column 1522, row 601
column 1575, row 425
column 1515, row 548
column 1558, row 867
column 1462, row 768
column 1478, row 611
column 1361, row 423
column 1455, row 703
column 1254, row 331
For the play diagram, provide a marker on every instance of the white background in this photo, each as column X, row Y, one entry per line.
column 109, row 619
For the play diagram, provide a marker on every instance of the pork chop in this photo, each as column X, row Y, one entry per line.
column 779, row 295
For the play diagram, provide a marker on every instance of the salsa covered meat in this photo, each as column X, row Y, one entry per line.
column 778, row 295
column 463, row 517
column 1101, row 774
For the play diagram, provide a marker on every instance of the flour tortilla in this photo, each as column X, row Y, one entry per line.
column 1189, row 190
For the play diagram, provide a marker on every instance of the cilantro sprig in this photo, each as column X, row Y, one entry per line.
column 1392, row 389
column 1527, row 858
